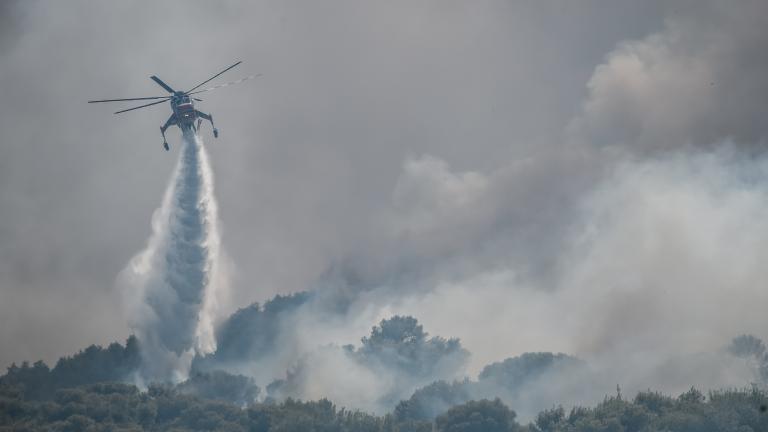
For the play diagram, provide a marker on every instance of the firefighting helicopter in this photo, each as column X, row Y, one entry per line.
column 184, row 114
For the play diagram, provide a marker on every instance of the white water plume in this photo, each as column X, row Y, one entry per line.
column 172, row 286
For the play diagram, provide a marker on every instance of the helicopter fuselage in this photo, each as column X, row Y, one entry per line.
column 184, row 111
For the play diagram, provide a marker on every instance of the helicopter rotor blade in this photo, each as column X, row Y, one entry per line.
column 142, row 106
column 128, row 99
column 198, row 99
column 162, row 84
column 209, row 79
column 226, row 84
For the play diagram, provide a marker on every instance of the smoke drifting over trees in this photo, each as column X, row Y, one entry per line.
column 397, row 368
column 81, row 393
column 476, row 217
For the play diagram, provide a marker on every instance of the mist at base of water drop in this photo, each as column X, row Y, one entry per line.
column 172, row 286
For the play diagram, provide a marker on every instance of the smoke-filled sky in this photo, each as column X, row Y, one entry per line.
column 581, row 176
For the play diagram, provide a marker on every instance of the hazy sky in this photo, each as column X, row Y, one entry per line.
column 418, row 145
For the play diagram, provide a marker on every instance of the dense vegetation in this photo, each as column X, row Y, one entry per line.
column 251, row 332
column 79, row 394
column 94, row 364
column 89, row 392
column 398, row 348
column 509, row 379
column 122, row 407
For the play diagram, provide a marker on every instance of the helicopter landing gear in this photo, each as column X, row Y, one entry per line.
column 171, row 120
column 208, row 117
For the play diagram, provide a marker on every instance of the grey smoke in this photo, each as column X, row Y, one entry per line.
column 349, row 91
column 396, row 359
column 585, row 178
column 693, row 84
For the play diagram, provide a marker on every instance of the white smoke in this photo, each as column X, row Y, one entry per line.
column 662, row 265
column 173, row 286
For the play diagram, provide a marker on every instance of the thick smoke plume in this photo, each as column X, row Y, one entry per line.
column 172, row 285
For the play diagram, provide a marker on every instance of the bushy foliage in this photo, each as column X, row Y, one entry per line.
column 114, row 406
column 513, row 372
column 427, row 402
column 83, row 392
column 251, row 332
column 747, row 346
column 731, row 410
column 506, row 379
column 92, row 365
column 222, row 386
column 478, row 416
column 548, row 420
column 397, row 348
column 400, row 343
column 752, row 349
column 122, row 407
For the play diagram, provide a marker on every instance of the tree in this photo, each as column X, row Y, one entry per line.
column 692, row 396
column 747, row 345
column 427, row 402
column 251, row 332
column 478, row 416
column 401, row 343
column 549, row 420
column 654, row 402
column 219, row 385
column 515, row 371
